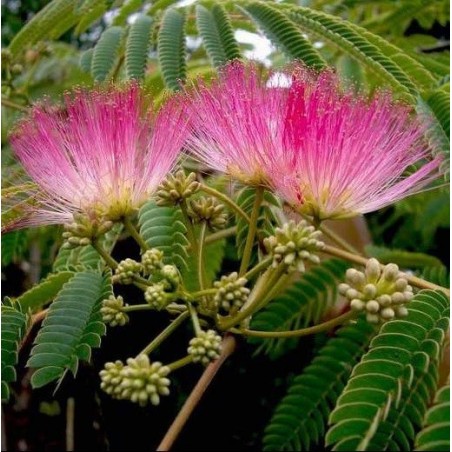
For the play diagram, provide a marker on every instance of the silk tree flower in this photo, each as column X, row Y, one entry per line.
column 102, row 154
column 329, row 152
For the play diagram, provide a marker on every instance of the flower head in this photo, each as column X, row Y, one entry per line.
column 330, row 152
column 235, row 124
column 102, row 153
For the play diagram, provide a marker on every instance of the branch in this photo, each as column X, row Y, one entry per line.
column 190, row 404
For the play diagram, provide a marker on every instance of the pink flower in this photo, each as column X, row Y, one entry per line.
column 237, row 124
column 103, row 153
column 328, row 151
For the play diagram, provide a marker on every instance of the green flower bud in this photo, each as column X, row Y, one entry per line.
column 156, row 296
column 206, row 347
column 171, row 277
column 176, row 188
column 112, row 313
column 111, row 378
column 382, row 293
column 293, row 244
column 231, row 292
column 209, row 210
column 126, row 271
column 143, row 382
column 152, row 261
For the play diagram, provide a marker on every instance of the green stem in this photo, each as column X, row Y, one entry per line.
column 180, row 363
column 201, row 269
column 131, row 229
column 11, row 104
column 260, row 291
column 224, row 233
column 325, row 326
column 190, row 229
column 264, row 263
column 194, row 319
column 201, row 293
column 330, row 234
column 251, row 230
column 137, row 307
column 211, row 191
column 413, row 280
column 105, row 256
column 164, row 334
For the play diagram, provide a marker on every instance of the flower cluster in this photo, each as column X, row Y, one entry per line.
column 231, row 292
column 208, row 210
column 381, row 293
column 176, row 188
column 103, row 153
column 206, row 347
column 293, row 244
column 112, row 311
column 126, row 271
column 140, row 381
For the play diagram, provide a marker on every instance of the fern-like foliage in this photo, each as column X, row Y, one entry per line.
column 15, row 324
column 137, row 46
column 217, row 34
column 350, row 39
column 437, row 275
column 86, row 59
column 128, row 7
column 72, row 327
column 300, row 419
column 43, row 23
column 162, row 228
column 390, row 388
column 89, row 12
column 280, row 30
column 213, row 258
column 303, row 303
column 105, row 53
column 266, row 221
column 171, row 48
column 437, row 105
column 44, row 292
column 435, row 435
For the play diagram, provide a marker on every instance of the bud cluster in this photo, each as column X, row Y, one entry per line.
column 231, row 292
column 83, row 230
column 156, row 296
column 176, row 188
column 126, row 271
column 381, row 293
column 140, row 381
column 208, row 210
column 206, row 347
column 293, row 244
column 152, row 261
column 112, row 312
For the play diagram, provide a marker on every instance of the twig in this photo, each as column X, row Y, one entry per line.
column 70, row 409
column 190, row 404
column 11, row 104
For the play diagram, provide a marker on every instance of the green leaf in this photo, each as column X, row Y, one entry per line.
column 15, row 325
column 44, row 292
column 217, row 34
column 137, row 47
column 86, row 60
column 13, row 245
column 41, row 25
column 162, row 228
column 171, row 48
column 435, row 434
column 281, row 31
column 213, row 258
column 129, row 7
column 73, row 325
column 105, row 53
column 304, row 303
column 316, row 391
column 401, row 369
column 89, row 12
